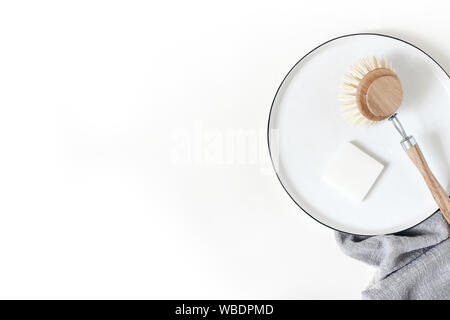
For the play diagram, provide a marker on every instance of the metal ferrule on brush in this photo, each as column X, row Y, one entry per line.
column 407, row 141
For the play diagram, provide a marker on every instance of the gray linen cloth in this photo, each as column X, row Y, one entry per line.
column 413, row 264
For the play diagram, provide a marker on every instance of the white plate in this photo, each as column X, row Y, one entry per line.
column 306, row 129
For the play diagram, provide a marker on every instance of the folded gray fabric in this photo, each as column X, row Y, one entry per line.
column 414, row 264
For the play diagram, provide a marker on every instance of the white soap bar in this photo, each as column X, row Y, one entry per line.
column 353, row 172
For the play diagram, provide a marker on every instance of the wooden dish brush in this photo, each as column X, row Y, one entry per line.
column 372, row 92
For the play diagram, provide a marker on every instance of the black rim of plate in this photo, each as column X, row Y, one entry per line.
column 275, row 97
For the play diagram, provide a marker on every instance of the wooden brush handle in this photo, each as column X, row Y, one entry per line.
column 439, row 194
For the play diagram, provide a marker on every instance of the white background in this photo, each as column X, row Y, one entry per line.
column 103, row 102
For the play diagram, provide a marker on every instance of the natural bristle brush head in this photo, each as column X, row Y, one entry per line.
column 371, row 92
